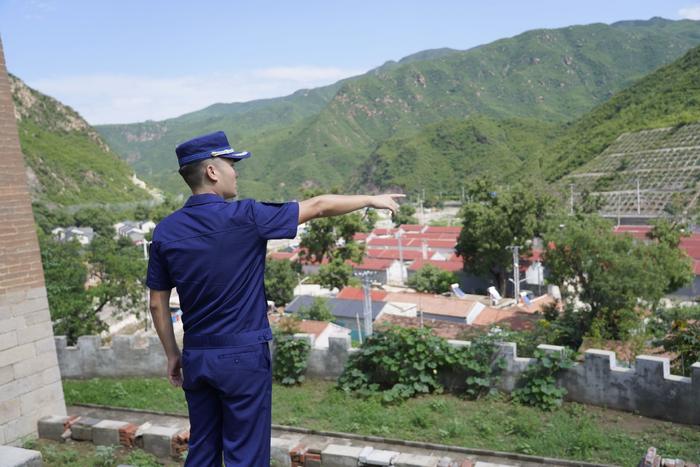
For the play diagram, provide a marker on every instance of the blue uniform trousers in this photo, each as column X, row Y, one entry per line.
column 229, row 397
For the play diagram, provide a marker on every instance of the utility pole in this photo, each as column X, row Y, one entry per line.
column 366, row 277
column 398, row 237
column 516, row 270
column 462, row 194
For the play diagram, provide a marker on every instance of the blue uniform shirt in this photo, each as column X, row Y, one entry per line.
column 213, row 251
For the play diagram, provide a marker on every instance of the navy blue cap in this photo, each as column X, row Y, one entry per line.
column 206, row 146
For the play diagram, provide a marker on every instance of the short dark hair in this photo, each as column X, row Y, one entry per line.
column 194, row 174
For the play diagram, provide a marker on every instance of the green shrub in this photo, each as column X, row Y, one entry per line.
column 291, row 357
column 481, row 365
column 539, row 382
column 399, row 362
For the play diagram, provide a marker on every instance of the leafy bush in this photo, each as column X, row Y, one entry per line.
column 481, row 364
column 539, row 381
column 290, row 359
column 399, row 362
column 684, row 339
column 432, row 279
column 318, row 310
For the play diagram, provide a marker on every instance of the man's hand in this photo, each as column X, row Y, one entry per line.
column 386, row 201
column 175, row 371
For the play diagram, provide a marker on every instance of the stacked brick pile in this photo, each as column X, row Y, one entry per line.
column 172, row 442
column 652, row 459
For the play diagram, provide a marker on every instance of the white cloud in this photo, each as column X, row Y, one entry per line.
column 110, row 98
column 690, row 12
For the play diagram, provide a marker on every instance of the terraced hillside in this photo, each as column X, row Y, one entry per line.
column 647, row 173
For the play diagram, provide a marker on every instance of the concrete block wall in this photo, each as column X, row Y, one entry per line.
column 124, row 357
column 648, row 388
column 30, row 382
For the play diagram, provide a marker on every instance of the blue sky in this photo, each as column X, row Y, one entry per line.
column 128, row 60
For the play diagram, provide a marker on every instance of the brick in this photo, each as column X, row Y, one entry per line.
column 20, row 427
column 341, row 456
column 127, row 435
column 158, row 440
column 8, row 339
column 9, row 410
column 297, row 455
column 415, row 460
column 35, row 317
column 279, row 451
column 180, row 443
column 30, row 401
column 16, row 354
column 35, row 364
column 7, row 374
column 19, row 386
column 52, row 427
column 312, row 459
column 31, row 305
column 35, row 332
column 18, row 457
column 46, row 345
column 106, row 432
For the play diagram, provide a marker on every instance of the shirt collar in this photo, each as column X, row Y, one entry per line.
column 204, row 198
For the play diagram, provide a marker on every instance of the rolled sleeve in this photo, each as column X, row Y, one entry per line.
column 276, row 220
column 158, row 277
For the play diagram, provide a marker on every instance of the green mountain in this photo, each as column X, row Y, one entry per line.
column 644, row 134
column 670, row 96
column 441, row 157
column 68, row 163
column 324, row 137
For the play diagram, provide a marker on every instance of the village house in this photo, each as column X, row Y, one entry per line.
column 83, row 235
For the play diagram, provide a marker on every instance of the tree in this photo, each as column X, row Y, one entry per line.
column 669, row 233
column 280, row 280
column 101, row 221
column 65, row 274
column 318, row 310
column 615, row 276
column 119, row 269
column 405, row 215
column 336, row 273
column 333, row 236
column 493, row 220
column 432, row 279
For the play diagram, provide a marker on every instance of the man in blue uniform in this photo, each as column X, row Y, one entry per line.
column 213, row 251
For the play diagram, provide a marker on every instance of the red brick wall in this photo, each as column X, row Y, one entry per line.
column 20, row 260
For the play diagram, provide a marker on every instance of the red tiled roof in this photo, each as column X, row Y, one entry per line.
column 354, row 293
column 372, row 264
column 515, row 319
column 443, row 229
column 411, row 227
column 444, row 329
column 384, row 231
column 282, row 255
column 450, row 266
column 360, row 236
column 393, row 253
column 434, row 304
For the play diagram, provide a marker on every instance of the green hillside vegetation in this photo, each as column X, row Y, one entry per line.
column 443, row 156
column 667, row 97
column 68, row 163
column 321, row 137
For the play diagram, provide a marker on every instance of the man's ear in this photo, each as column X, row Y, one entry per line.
column 212, row 172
